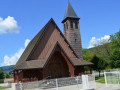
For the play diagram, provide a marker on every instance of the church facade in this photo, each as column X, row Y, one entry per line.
column 50, row 54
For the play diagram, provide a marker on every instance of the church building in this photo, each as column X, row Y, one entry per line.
column 50, row 54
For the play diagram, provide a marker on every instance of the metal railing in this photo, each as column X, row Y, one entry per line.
column 112, row 78
column 70, row 83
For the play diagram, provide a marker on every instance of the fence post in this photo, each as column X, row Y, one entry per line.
column 94, row 79
column 21, row 87
column 105, row 79
column 56, row 84
column 118, row 77
column 77, row 83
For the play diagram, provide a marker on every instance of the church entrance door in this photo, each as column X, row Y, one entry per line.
column 57, row 66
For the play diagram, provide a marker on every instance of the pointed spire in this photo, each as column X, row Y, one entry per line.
column 70, row 13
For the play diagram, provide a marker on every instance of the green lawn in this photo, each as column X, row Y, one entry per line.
column 2, row 88
column 100, row 79
column 110, row 79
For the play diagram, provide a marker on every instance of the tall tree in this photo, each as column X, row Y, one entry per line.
column 115, row 50
column 115, row 40
column 1, row 74
column 99, row 63
column 87, row 55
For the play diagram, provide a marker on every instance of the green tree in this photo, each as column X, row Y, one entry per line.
column 115, row 50
column 7, row 75
column 115, row 58
column 1, row 74
column 115, row 40
column 99, row 63
column 87, row 55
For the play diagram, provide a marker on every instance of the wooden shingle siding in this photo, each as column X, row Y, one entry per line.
column 52, row 35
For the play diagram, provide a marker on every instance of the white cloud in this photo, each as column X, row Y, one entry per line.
column 98, row 41
column 27, row 42
column 8, row 25
column 12, row 59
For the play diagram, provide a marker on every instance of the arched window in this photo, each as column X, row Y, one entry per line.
column 76, row 25
column 71, row 24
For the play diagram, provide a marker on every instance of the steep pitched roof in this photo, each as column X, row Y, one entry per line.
column 34, row 42
column 70, row 13
column 23, row 63
column 33, row 64
column 31, row 46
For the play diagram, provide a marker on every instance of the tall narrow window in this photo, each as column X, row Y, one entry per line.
column 71, row 24
column 66, row 25
column 76, row 25
column 75, row 40
column 64, row 29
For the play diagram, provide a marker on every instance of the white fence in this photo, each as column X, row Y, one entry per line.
column 69, row 83
column 112, row 78
column 5, row 84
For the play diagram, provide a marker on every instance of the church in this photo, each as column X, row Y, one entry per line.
column 52, row 54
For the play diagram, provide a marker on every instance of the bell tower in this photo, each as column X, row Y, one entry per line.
column 72, row 30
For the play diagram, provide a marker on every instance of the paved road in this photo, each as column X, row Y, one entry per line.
column 99, row 86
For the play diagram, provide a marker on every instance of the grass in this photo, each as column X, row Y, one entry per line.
column 110, row 79
column 2, row 88
column 100, row 79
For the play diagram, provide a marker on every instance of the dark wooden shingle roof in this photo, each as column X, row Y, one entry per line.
column 69, row 13
column 30, row 47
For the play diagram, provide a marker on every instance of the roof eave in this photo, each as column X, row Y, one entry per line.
column 85, row 65
column 69, row 18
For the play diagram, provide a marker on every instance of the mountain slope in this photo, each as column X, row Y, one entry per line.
column 102, row 50
column 7, row 69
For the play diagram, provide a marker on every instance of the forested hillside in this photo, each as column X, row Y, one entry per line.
column 101, row 50
column 105, row 54
column 7, row 69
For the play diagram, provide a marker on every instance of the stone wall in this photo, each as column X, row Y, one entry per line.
column 73, row 36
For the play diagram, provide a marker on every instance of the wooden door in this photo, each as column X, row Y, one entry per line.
column 58, row 67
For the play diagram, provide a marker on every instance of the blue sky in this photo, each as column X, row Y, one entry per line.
column 97, row 19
